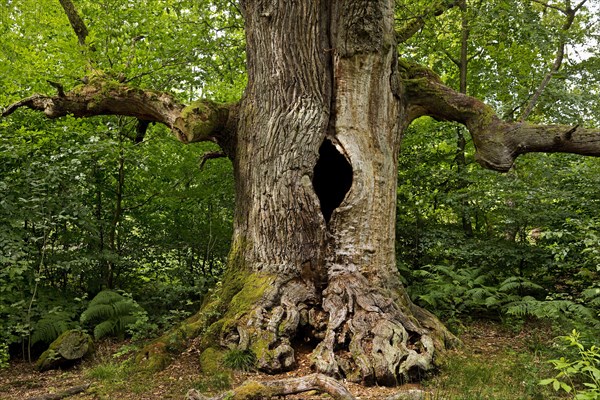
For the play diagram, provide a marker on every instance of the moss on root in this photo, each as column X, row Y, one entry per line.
column 221, row 312
column 153, row 357
column 211, row 361
column 253, row 390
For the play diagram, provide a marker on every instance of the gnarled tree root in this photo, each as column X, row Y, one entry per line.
column 283, row 387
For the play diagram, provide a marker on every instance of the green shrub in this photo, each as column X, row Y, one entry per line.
column 142, row 328
column 585, row 370
column 4, row 355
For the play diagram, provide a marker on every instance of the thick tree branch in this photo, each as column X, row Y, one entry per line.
column 498, row 143
column 76, row 22
column 282, row 387
column 199, row 121
column 410, row 28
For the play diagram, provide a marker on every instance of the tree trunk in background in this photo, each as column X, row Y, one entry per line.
column 461, row 162
column 315, row 166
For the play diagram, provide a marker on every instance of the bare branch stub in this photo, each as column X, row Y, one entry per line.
column 211, row 155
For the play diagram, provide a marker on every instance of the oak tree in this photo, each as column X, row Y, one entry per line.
column 314, row 143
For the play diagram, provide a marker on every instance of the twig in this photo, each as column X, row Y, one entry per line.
column 209, row 156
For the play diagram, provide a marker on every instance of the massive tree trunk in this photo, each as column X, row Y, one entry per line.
column 315, row 162
column 314, row 143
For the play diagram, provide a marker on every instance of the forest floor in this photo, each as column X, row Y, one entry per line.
column 495, row 362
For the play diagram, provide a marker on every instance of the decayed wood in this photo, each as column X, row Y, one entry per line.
column 67, row 393
column 200, row 121
column 498, row 143
column 283, row 387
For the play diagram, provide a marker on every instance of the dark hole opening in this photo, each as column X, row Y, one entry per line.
column 332, row 178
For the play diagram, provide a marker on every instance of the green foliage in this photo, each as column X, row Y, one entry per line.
column 455, row 291
column 581, row 376
column 240, row 360
column 532, row 247
column 493, row 365
column 4, row 355
column 559, row 310
column 165, row 237
column 110, row 313
column 168, row 232
column 141, row 328
column 51, row 326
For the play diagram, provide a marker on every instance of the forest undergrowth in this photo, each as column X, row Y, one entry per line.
column 496, row 361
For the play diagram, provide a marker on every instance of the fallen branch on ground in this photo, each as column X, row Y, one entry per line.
column 283, row 387
column 67, row 393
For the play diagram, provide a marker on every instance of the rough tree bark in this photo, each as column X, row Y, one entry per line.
column 314, row 143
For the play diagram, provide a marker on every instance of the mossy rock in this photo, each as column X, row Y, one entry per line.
column 65, row 351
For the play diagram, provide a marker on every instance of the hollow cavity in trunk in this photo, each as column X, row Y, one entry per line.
column 332, row 178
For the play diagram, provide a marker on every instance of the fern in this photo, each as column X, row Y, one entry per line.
column 550, row 309
column 96, row 312
column 110, row 313
column 480, row 294
column 51, row 326
column 517, row 283
column 105, row 328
